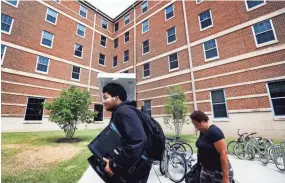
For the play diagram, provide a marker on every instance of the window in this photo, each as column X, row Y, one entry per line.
column 103, row 41
column 198, row 1
column 211, row 50
column 264, row 33
column 115, row 61
column 104, row 23
column 6, row 23
column 98, row 108
column 126, row 56
column 3, row 51
column 57, row 1
column 127, row 37
column 253, row 4
column 34, row 109
column 145, row 49
column 78, row 50
column 51, row 16
column 81, row 30
column 13, row 2
column 127, row 71
column 173, row 61
column 83, row 11
column 169, row 13
column 127, row 19
column 75, row 73
column 42, row 64
column 101, row 59
column 116, row 26
column 47, row 39
column 219, row 104
column 147, row 106
column 205, row 19
column 277, row 96
column 144, row 6
column 145, row 26
column 171, row 35
column 116, row 43
column 146, row 70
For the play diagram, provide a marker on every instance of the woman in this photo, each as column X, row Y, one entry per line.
column 212, row 152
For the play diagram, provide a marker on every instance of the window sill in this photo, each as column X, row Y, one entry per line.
column 267, row 43
column 145, row 53
column 34, row 122
column 211, row 59
column 51, row 22
column 254, row 8
column 77, row 80
column 171, row 43
column 171, row 70
column 221, row 120
column 280, row 118
column 46, row 46
column 77, row 57
column 80, row 35
column 146, row 77
column 125, row 62
column 42, row 72
column 206, row 27
column 169, row 18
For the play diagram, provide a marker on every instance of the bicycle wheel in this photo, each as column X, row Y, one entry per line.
column 279, row 157
column 178, row 147
column 162, row 164
column 176, row 167
column 244, row 151
column 277, row 151
column 231, row 147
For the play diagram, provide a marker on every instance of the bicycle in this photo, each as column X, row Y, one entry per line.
column 231, row 145
column 245, row 150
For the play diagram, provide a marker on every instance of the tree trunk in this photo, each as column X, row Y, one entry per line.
column 69, row 131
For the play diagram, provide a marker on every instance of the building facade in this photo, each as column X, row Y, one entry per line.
column 228, row 56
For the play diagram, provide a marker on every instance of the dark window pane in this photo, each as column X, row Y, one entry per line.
column 218, row 96
column 146, row 73
column 173, row 65
column 75, row 75
column 265, row 37
column 277, row 89
column 252, row 4
column 211, row 53
column 206, row 23
column 171, row 38
column 220, row 110
column 279, row 106
column 46, row 42
column 34, row 110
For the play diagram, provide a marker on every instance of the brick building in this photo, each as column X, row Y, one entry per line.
column 229, row 57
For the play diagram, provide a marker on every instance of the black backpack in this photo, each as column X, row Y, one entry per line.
column 155, row 136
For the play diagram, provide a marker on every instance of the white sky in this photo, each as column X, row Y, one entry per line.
column 112, row 7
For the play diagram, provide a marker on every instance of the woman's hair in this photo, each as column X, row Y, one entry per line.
column 114, row 90
column 199, row 116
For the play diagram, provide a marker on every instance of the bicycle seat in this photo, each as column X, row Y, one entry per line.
column 258, row 138
column 243, row 134
column 254, row 133
column 171, row 139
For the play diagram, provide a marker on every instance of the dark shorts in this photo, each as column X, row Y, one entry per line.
column 207, row 176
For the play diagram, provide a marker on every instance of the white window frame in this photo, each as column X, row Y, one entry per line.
column 105, row 42
column 55, row 17
column 36, row 70
column 57, row 2
column 147, row 26
column 212, row 107
column 11, row 26
column 167, row 36
column 86, row 11
column 74, row 51
column 253, row 8
column 267, row 43
column 144, row 77
column 150, row 105
column 104, row 59
column 145, row 1
column 211, row 20
column 129, row 17
column 106, row 24
column 125, row 37
column 148, row 47
column 177, row 68
column 124, row 56
column 113, row 62
column 16, row 6
column 51, row 40
column 73, row 79
column 2, row 59
column 199, row 2
column 78, row 29
column 165, row 12
column 214, row 58
column 271, row 104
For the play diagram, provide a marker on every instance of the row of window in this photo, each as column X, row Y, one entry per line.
column 219, row 103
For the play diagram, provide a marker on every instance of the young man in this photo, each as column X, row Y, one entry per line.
column 131, row 129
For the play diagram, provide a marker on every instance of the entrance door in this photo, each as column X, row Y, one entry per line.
column 99, row 109
column 34, row 109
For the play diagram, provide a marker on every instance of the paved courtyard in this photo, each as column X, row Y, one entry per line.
column 245, row 172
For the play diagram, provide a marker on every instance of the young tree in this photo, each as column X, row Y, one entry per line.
column 176, row 108
column 70, row 109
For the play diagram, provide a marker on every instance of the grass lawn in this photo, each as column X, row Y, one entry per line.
column 36, row 157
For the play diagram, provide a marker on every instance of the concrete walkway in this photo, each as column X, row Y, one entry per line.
column 244, row 172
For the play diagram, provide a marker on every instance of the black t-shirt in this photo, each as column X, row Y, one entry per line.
column 208, row 155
